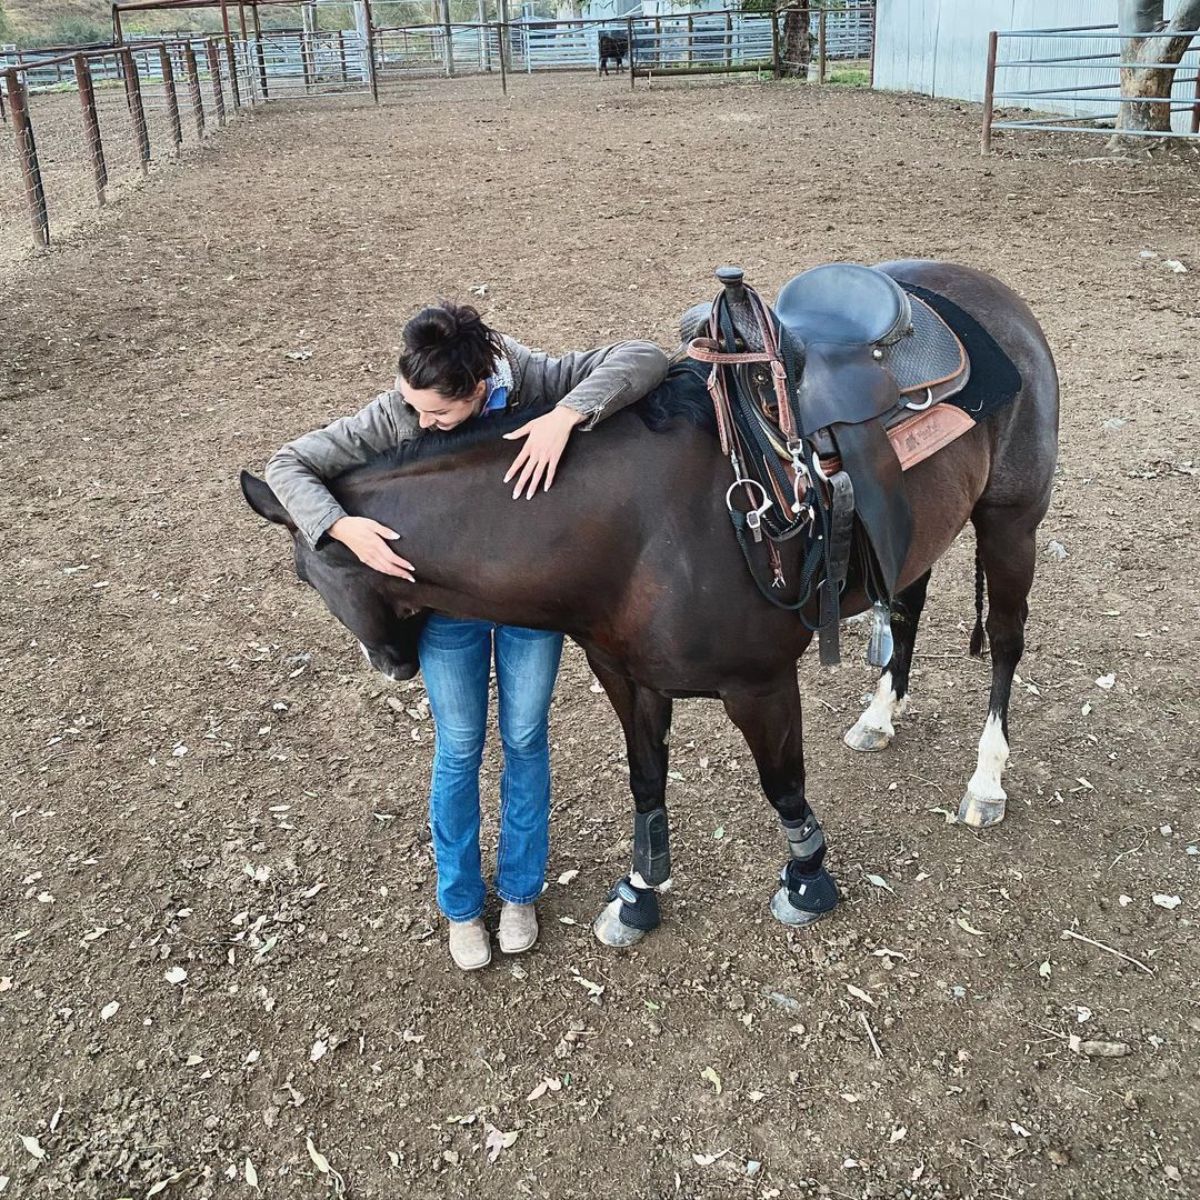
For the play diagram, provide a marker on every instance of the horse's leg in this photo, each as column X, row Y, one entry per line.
column 771, row 723
column 874, row 730
column 632, row 908
column 1007, row 550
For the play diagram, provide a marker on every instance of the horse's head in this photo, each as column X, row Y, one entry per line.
column 363, row 600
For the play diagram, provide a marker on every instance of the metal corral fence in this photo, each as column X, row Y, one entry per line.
column 1088, row 62
column 116, row 111
column 79, row 123
column 687, row 43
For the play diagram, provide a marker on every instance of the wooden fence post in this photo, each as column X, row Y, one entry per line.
column 91, row 126
column 871, row 63
column 448, row 33
column 371, row 51
column 306, row 59
column 214, row 69
column 776, row 66
column 260, row 52
column 629, row 46
column 35, row 193
column 133, row 95
column 989, row 90
column 233, row 75
column 168, row 74
column 821, row 44
column 729, row 39
column 193, row 78
column 505, row 43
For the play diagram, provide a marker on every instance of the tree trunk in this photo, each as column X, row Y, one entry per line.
column 1137, row 115
column 797, row 48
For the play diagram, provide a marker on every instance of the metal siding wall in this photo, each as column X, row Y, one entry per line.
column 939, row 47
column 962, row 46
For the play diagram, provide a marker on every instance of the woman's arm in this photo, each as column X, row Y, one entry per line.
column 297, row 473
column 595, row 383
column 585, row 387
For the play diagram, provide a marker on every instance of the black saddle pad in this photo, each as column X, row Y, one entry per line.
column 995, row 380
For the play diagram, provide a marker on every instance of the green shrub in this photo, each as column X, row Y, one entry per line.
column 73, row 31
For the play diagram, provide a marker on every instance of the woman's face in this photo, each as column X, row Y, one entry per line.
column 435, row 410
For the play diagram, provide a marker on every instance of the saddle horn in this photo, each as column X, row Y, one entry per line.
column 741, row 310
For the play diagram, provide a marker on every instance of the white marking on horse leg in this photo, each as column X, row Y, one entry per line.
column 983, row 804
column 874, row 730
column 639, row 882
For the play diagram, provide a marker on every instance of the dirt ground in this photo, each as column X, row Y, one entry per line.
column 199, row 775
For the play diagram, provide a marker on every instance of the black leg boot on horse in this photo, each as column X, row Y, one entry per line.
column 632, row 908
column 771, row 723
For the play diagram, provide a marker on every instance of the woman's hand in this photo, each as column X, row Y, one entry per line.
column 368, row 541
column 545, row 440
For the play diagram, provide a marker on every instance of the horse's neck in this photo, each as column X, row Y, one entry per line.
column 477, row 552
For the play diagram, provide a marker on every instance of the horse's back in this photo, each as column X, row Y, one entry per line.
column 1023, row 434
column 999, row 309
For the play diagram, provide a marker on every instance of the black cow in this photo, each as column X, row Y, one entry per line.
column 613, row 45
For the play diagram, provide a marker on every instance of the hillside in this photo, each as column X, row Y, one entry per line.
column 66, row 22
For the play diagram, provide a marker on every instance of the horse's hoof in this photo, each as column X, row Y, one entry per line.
column 783, row 910
column 803, row 899
column 612, row 931
column 980, row 812
column 867, row 740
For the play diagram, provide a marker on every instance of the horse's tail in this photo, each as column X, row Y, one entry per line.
column 978, row 637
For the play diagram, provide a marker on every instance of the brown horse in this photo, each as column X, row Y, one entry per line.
column 631, row 555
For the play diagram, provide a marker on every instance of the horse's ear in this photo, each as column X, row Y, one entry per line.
column 263, row 500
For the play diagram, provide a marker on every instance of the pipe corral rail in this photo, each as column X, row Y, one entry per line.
column 1089, row 102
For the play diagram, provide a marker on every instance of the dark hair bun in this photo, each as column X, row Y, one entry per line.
column 447, row 347
column 432, row 328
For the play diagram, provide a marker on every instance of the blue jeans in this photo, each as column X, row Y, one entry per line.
column 456, row 659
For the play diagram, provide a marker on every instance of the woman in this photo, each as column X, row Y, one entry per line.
column 455, row 369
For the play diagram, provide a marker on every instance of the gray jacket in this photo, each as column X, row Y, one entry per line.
column 596, row 383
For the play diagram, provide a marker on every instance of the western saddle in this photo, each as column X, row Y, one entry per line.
column 822, row 402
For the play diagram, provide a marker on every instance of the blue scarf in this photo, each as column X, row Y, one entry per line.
column 499, row 387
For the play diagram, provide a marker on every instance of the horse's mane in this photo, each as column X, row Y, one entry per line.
column 681, row 397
